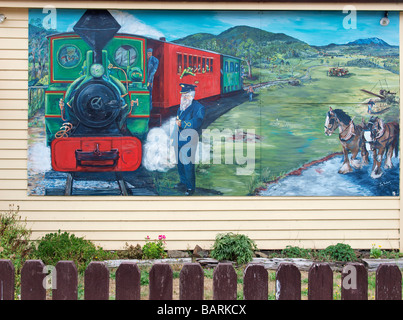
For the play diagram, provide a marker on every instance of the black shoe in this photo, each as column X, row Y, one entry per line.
column 189, row 192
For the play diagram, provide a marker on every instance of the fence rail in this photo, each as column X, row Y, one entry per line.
column 354, row 282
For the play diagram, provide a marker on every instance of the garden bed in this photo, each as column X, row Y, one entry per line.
column 269, row 263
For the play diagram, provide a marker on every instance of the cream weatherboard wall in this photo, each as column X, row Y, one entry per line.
column 112, row 221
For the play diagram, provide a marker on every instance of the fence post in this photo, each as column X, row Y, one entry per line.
column 224, row 282
column 288, row 282
column 32, row 278
column 96, row 281
column 161, row 282
column 388, row 282
column 191, row 282
column 255, row 282
column 320, row 282
column 128, row 281
column 66, row 281
column 354, row 282
column 7, row 280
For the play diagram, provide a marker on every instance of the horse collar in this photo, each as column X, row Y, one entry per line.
column 348, row 132
column 382, row 132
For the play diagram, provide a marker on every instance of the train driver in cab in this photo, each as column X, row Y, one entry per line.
column 152, row 66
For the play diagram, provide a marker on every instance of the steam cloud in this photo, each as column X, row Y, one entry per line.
column 130, row 24
column 159, row 151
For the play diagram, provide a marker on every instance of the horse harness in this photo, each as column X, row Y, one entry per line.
column 376, row 140
column 348, row 132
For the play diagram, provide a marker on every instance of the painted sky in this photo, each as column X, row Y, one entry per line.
column 312, row 27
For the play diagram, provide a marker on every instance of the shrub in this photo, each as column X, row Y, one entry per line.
column 15, row 243
column 154, row 249
column 340, row 252
column 296, row 252
column 131, row 252
column 54, row 247
column 234, row 247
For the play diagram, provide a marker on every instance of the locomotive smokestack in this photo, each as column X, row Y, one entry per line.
column 97, row 28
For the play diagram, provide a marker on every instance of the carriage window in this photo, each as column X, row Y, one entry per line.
column 185, row 61
column 237, row 67
column 199, row 64
column 204, row 65
column 180, row 63
column 211, row 65
column 191, row 61
column 231, row 67
column 195, row 64
column 208, row 65
column 226, row 66
column 190, row 64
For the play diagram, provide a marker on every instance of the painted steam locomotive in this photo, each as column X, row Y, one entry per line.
column 97, row 105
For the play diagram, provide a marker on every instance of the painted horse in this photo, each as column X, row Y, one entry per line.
column 351, row 138
column 383, row 138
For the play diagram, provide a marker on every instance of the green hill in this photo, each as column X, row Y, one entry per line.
column 253, row 45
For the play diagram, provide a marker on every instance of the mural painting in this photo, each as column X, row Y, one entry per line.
column 213, row 103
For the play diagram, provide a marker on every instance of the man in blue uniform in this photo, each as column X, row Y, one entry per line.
column 189, row 120
column 152, row 66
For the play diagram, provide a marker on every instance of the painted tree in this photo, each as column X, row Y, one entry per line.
column 249, row 51
column 38, row 49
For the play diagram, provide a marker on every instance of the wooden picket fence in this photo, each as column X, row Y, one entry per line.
column 354, row 279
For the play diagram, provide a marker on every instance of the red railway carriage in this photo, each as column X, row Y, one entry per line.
column 180, row 64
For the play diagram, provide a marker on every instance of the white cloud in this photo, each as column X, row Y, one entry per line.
column 70, row 26
column 130, row 24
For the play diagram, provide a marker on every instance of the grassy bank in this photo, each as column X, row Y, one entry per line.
column 289, row 121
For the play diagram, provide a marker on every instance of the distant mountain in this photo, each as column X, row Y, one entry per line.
column 249, row 43
column 237, row 33
column 197, row 37
column 255, row 34
column 367, row 46
column 369, row 41
column 372, row 42
column 253, row 45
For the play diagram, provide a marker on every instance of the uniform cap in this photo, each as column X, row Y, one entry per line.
column 185, row 88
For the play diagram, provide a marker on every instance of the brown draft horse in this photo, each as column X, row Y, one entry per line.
column 382, row 137
column 351, row 138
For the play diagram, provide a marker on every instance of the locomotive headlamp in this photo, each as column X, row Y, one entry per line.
column 97, row 70
column 2, row 18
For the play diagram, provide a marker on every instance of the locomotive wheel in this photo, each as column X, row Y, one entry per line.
column 97, row 104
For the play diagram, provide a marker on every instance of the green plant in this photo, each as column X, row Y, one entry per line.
column 144, row 277
column 15, row 243
column 234, row 247
column 340, row 252
column 131, row 252
column 296, row 252
column 375, row 252
column 54, row 247
column 154, row 249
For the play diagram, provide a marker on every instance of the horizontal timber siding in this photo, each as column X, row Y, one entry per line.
column 112, row 221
